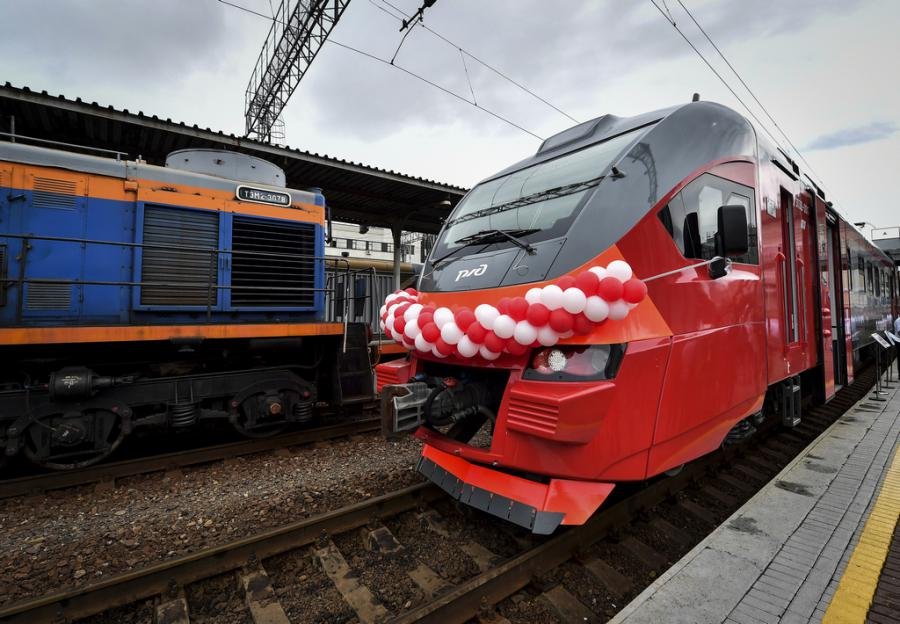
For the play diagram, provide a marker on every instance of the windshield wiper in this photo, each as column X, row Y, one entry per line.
column 486, row 236
column 552, row 193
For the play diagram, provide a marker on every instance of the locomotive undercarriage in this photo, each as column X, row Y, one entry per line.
column 71, row 417
column 72, row 423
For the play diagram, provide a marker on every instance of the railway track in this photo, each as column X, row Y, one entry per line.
column 109, row 472
column 413, row 556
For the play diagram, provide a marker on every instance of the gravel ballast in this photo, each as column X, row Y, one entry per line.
column 72, row 537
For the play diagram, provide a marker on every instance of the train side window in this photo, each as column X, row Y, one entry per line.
column 691, row 217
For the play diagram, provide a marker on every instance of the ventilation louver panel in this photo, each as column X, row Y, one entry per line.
column 175, row 257
column 42, row 296
column 287, row 260
column 54, row 193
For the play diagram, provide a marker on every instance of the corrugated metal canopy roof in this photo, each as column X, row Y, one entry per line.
column 356, row 193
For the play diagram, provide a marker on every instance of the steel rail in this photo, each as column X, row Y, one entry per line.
column 166, row 461
column 156, row 579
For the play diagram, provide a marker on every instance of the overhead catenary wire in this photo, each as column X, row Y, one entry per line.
column 396, row 66
column 472, row 56
column 715, row 71
column 749, row 90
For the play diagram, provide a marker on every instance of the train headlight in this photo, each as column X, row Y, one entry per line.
column 575, row 363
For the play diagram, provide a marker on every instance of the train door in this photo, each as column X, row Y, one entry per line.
column 53, row 206
column 788, row 261
column 829, row 285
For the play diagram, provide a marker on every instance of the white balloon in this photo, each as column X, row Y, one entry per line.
column 488, row 354
column 411, row 330
column 389, row 324
column 547, row 336
column 574, row 300
column 422, row 344
column 568, row 334
column 504, row 326
column 442, row 316
column 525, row 333
column 620, row 269
column 596, row 309
column 466, row 347
column 397, row 336
column 382, row 310
column 486, row 315
column 552, row 296
column 618, row 310
column 600, row 272
column 533, row 295
column 389, row 299
column 412, row 312
column 451, row 333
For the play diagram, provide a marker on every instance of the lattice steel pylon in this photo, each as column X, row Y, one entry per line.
column 296, row 36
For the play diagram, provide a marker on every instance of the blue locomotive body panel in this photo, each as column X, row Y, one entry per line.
column 78, row 260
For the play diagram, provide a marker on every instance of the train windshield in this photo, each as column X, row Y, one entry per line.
column 540, row 201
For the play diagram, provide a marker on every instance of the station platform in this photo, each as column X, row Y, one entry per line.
column 819, row 543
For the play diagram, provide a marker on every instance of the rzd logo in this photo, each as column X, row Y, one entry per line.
column 477, row 271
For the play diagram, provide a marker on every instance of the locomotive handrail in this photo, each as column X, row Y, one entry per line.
column 285, row 258
column 14, row 137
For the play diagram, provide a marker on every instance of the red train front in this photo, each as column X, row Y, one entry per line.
column 619, row 304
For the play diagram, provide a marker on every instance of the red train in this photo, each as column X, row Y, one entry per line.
column 638, row 292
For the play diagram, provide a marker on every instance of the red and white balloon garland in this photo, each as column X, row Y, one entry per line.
column 573, row 305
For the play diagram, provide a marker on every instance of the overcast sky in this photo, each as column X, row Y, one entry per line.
column 826, row 70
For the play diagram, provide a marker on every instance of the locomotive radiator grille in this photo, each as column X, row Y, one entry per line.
column 174, row 241
column 272, row 255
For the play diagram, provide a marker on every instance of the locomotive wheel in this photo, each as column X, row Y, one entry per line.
column 260, row 415
column 65, row 440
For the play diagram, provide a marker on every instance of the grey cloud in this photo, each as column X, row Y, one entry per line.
column 147, row 39
column 854, row 136
column 551, row 47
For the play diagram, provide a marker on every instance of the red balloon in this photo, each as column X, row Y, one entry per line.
column 518, row 308
column 514, row 348
column 431, row 332
column 408, row 341
column 424, row 319
column 476, row 333
column 587, row 283
column 464, row 318
column 610, row 289
column 412, row 291
column 399, row 324
column 538, row 314
column 566, row 281
column 401, row 309
column 634, row 290
column 429, row 309
column 582, row 325
column 442, row 347
column 494, row 343
column 503, row 305
column 561, row 321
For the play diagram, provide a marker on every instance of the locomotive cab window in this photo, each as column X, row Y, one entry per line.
column 692, row 217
